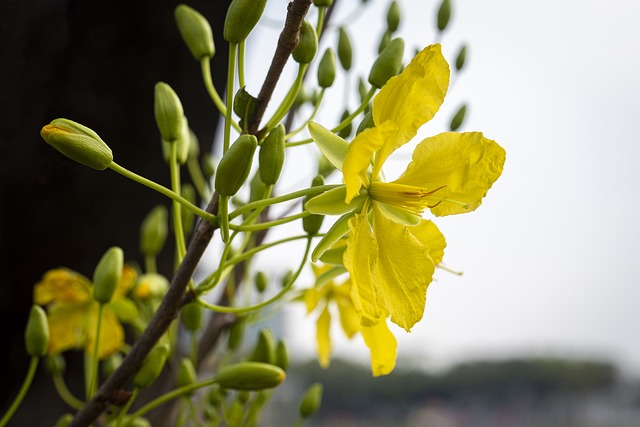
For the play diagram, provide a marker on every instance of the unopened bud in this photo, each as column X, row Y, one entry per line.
column 111, row 364
column 186, row 374
column 366, row 123
column 345, row 51
column 151, row 285
column 286, row 279
column 235, row 165
column 64, row 420
column 195, row 31
column 393, row 17
column 311, row 400
column 444, row 14
column 282, row 355
column 265, row 349
column 151, row 366
column 271, row 157
column 388, row 63
column 78, row 142
column 36, row 335
column 153, row 231
column 169, row 112
column 458, row 118
column 384, row 41
column 261, row 281
column 250, row 376
column 236, row 334
column 345, row 132
column 242, row 17
column 312, row 223
column 107, row 274
column 55, row 364
column 327, row 69
column 461, row 58
column 191, row 316
column 307, row 45
column 209, row 165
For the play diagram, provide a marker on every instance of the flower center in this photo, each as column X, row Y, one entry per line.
column 406, row 197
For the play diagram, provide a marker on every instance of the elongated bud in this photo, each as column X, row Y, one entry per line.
column 261, row 281
column 393, row 17
column 242, row 16
column 55, row 364
column 153, row 231
column 151, row 366
column 286, row 278
column 78, row 142
column 384, row 41
column 345, row 132
column 444, row 14
column 322, row 3
column 250, row 376
column 271, row 156
column 345, row 51
column 186, row 374
column 461, row 58
column 282, row 355
column 312, row 223
column 36, row 334
column 311, row 400
column 366, row 123
column 235, row 165
column 188, row 218
column 112, row 363
column 307, row 45
column 168, row 111
column 458, row 118
column 265, row 349
column 327, row 69
column 191, row 316
column 64, row 420
column 388, row 63
column 209, row 165
column 236, row 334
column 195, row 31
column 107, row 274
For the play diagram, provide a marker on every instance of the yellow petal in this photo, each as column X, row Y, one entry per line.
column 382, row 346
column 403, row 270
column 111, row 333
column 359, row 259
column 312, row 297
column 62, row 285
column 67, row 326
column 411, row 99
column 324, row 338
column 358, row 159
column 349, row 318
column 127, row 280
column 461, row 167
column 428, row 233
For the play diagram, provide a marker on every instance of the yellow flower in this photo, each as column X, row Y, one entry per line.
column 391, row 251
column 73, row 313
column 381, row 342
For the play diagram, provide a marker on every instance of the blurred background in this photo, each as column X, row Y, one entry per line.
column 541, row 328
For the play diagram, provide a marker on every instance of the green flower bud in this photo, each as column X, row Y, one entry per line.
column 345, row 132
column 312, row 223
column 345, row 52
column 242, row 16
column 112, row 363
column 191, row 316
column 169, row 112
column 195, row 31
column 327, row 69
column 261, row 281
column 151, row 285
column 78, row 142
column 151, row 366
column 36, row 334
column 384, row 41
column 244, row 104
column 322, row 3
column 64, row 420
column 311, row 400
column 55, row 364
column 265, row 349
column 188, row 218
column 209, row 165
column 186, row 374
column 235, row 165
column 236, row 334
column 366, row 123
column 194, row 145
column 307, row 45
column 458, row 118
column 271, row 155
column 250, row 376
column 444, row 14
column 286, row 278
column 362, row 89
column 183, row 145
column 107, row 274
column 256, row 190
column 282, row 355
column 388, row 63
column 462, row 56
column 393, row 17
column 153, row 231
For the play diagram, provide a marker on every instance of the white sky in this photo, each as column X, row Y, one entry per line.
column 549, row 258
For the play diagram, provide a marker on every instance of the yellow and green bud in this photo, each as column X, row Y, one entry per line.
column 311, row 400
column 153, row 231
column 307, row 46
column 261, row 281
column 345, row 51
column 458, row 118
column 312, row 223
column 151, row 285
column 55, row 364
column 191, row 316
column 461, row 58
column 236, row 334
column 250, row 376
column 271, row 156
column 151, row 366
column 195, row 31
column 265, row 349
column 388, row 63
column 327, row 69
column 107, row 274
column 78, row 142
column 186, row 374
column 393, row 17
column 36, row 334
column 444, row 14
column 242, row 17
column 169, row 112
column 235, row 165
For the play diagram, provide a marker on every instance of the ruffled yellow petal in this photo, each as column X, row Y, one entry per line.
column 430, row 235
column 461, row 167
column 312, row 297
column 111, row 333
column 349, row 319
column 403, row 271
column 324, row 338
column 360, row 259
column 67, row 326
column 411, row 99
column 382, row 346
column 127, row 280
column 62, row 285
column 358, row 159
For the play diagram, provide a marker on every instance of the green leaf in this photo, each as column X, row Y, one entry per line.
column 331, row 145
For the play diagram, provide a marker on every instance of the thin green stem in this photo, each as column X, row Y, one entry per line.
column 93, row 370
column 193, row 354
column 320, row 23
column 231, row 73
column 33, row 365
column 164, row 191
column 178, row 230
column 192, row 412
column 285, row 289
column 205, row 66
column 288, row 100
column 266, row 225
column 195, row 172
column 150, row 264
column 261, row 248
column 306, row 122
column 343, row 123
column 241, row 64
column 223, row 215
column 65, row 394
column 126, row 407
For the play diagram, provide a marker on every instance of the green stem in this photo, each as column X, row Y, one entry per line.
column 266, row 225
column 93, row 370
column 150, row 264
column 306, row 122
column 285, row 289
column 192, row 412
column 231, row 68
column 343, row 123
column 178, row 230
column 65, row 394
column 319, row 25
column 126, row 407
column 205, row 66
column 223, row 215
column 288, row 100
column 241, row 63
column 22, row 393
column 194, row 349
column 195, row 172
column 165, row 191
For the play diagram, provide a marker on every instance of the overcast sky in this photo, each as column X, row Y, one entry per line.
column 550, row 257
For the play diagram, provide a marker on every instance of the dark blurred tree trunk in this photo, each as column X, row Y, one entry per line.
column 94, row 62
